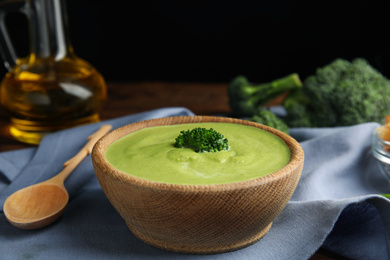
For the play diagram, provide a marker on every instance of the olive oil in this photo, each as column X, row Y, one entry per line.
column 50, row 96
column 52, row 88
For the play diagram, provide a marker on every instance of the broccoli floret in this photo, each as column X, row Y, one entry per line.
column 296, row 104
column 246, row 99
column 268, row 118
column 341, row 93
column 202, row 140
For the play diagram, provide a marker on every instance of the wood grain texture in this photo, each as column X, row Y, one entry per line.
column 24, row 209
column 197, row 219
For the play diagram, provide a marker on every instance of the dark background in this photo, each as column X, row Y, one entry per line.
column 213, row 41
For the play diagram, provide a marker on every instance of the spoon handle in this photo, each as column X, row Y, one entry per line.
column 72, row 163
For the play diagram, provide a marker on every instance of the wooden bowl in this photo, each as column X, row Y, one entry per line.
column 197, row 219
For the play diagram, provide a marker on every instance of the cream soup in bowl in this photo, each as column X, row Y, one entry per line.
column 185, row 202
column 150, row 153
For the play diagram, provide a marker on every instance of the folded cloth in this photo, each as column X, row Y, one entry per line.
column 336, row 204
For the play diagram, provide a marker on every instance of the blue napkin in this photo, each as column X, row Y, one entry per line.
column 336, row 204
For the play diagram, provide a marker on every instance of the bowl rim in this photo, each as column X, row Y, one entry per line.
column 99, row 160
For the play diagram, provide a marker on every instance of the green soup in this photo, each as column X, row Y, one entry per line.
column 150, row 154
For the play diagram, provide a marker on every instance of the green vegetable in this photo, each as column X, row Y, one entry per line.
column 341, row 93
column 246, row 99
column 296, row 104
column 267, row 117
column 202, row 140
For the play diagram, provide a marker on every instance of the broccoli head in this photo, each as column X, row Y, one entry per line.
column 202, row 140
column 341, row 93
column 246, row 99
column 268, row 118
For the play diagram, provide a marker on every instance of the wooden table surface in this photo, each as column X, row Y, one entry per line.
column 130, row 98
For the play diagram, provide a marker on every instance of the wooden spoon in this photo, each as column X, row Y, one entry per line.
column 41, row 204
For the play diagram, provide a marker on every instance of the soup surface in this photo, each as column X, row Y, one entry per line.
column 150, row 154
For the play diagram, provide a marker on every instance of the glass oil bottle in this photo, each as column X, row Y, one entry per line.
column 52, row 88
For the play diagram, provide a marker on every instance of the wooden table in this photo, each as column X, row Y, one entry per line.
column 130, row 98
